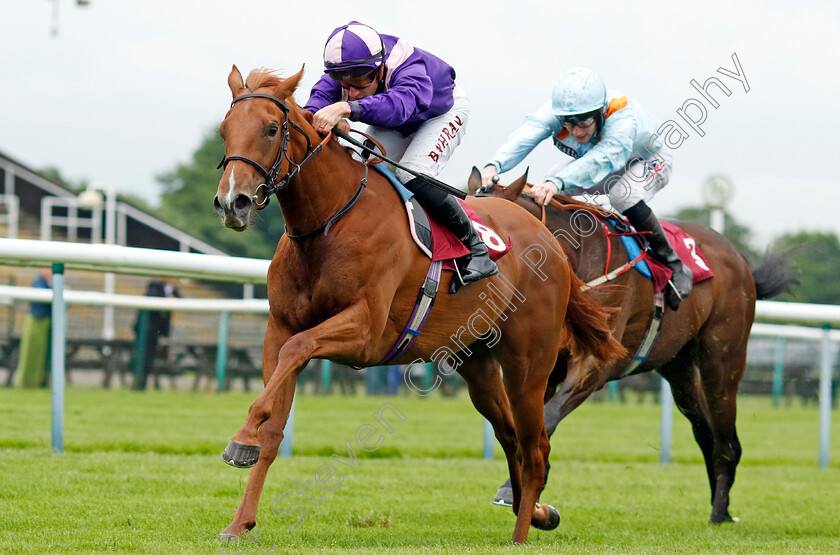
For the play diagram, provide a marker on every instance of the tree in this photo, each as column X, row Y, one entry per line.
column 79, row 185
column 817, row 257
column 51, row 172
column 739, row 235
column 187, row 203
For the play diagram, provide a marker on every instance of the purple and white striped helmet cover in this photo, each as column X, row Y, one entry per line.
column 353, row 45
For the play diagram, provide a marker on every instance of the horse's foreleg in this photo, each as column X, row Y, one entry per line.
column 271, row 434
column 346, row 333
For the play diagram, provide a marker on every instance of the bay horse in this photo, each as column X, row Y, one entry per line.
column 701, row 348
column 345, row 277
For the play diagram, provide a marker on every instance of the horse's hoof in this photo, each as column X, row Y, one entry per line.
column 228, row 537
column 553, row 519
column 240, row 455
column 504, row 497
column 725, row 519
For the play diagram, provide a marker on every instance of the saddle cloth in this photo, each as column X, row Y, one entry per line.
column 683, row 244
column 436, row 241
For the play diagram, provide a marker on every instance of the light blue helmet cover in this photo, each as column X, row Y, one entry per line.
column 578, row 91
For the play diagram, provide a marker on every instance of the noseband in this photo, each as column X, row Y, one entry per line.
column 271, row 184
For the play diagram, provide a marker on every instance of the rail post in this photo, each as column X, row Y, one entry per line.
column 59, row 349
column 779, row 370
column 825, row 396
column 326, row 376
column 667, row 423
column 489, row 440
column 222, row 350
column 288, row 431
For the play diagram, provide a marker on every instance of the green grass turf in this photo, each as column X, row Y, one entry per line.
column 142, row 473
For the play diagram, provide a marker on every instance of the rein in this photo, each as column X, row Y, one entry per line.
column 571, row 204
column 337, row 216
column 427, row 178
column 271, row 185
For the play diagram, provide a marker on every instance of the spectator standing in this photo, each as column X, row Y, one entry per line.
column 34, row 360
column 156, row 324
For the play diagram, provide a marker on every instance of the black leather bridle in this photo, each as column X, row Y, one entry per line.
column 271, row 184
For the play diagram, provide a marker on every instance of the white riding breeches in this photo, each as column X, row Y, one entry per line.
column 639, row 181
column 428, row 149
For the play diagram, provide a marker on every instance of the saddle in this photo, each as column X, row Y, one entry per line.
column 436, row 241
column 637, row 248
column 442, row 248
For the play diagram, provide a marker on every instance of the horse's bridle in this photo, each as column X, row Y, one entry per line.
column 271, row 184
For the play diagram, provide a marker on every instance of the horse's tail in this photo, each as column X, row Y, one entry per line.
column 774, row 275
column 588, row 325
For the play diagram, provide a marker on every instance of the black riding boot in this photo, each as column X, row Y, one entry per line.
column 446, row 209
column 680, row 285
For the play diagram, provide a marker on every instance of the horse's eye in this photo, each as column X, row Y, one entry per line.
column 272, row 131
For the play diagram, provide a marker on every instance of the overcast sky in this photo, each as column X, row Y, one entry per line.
column 126, row 90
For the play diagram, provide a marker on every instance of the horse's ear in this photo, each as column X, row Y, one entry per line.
column 515, row 189
column 235, row 82
column 287, row 88
column 474, row 182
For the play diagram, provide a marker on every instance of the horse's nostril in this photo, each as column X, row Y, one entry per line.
column 242, row 202
column 216, row 204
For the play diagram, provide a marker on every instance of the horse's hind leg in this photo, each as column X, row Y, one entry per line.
column 722, row 364
column 686, row 388
column 551, row 417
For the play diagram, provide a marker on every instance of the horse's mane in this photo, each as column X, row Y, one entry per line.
column 262, row 77
column 562, row 202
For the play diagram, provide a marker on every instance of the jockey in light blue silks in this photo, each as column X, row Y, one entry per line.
column 614, row 145
column 410, row 101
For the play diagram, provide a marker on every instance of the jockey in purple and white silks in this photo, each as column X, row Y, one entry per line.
column 410, row 101
column 614, row 145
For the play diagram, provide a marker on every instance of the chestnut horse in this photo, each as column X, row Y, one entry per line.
column 345, row 277
column 701, row 349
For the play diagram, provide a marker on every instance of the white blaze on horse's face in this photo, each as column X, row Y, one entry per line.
column 232, row 185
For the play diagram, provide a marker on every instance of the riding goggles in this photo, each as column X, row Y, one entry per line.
column 358, row 83
column 571, row 122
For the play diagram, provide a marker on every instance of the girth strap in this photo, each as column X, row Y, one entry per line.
column 650, row 337
column 421, row 312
